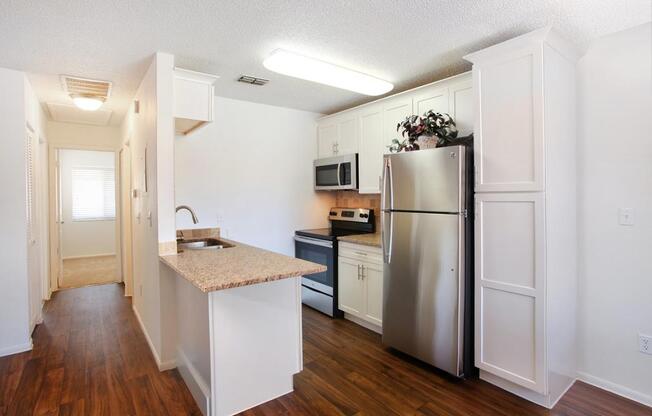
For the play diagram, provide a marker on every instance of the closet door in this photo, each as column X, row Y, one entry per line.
column 509, row 122
column 509, row 287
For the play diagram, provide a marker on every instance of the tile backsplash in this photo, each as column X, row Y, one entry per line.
column 350, row 199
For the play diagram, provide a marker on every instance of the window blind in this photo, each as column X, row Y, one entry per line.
column 93, row 194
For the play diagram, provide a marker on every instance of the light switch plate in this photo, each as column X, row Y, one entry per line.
column 626, row 216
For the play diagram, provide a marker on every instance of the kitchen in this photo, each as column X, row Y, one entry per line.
column 299, row 244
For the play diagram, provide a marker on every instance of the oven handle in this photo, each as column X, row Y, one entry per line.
column 313, row 241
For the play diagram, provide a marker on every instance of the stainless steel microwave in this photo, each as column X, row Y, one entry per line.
column 336, row 173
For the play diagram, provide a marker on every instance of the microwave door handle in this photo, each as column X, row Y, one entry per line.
column 339, row 173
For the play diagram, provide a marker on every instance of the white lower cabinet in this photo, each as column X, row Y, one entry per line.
column 360, row 284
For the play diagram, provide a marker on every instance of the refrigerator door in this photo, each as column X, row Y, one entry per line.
column 427, row 180
column 423, row 287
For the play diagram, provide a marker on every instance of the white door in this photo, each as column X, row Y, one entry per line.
column 347, row 142
column 370, row 158
column 395, row 110
column 509, row 122
column 372, row 275
column 461, row 106
column 33, row 254
column 509, row 287
column 349, row 278
column 433, row 98
column 327, row 132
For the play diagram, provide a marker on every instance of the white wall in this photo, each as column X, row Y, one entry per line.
column 83, row 135
column 84, row 238
column 615, row 171
column 14, row 298
column 250, row 173
column 146, row 130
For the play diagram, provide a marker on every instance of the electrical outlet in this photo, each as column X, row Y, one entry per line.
column 645, row 344
column 140, row 290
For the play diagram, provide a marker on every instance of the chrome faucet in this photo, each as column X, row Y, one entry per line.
column 192, row 213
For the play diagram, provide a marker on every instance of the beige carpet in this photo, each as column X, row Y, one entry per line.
column 89, row 271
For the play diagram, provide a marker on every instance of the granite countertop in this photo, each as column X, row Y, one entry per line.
column 242, row 265
column 372, row 240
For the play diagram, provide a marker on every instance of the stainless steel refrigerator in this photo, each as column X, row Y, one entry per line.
column 426, row 233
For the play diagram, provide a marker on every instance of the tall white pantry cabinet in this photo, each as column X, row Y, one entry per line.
column 525, row 215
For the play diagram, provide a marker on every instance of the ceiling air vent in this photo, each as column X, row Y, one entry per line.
column 252, row 80
column 84, row 87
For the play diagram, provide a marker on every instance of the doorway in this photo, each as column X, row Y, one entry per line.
column 87, row 230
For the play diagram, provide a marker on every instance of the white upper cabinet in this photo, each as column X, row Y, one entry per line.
column 432, row 97
column 327, row 134
column 338, row 135
column 395, row 110
column 370, row 157
column 460, row 106
column 193, row 100
column 509, row 120
column 369, row 129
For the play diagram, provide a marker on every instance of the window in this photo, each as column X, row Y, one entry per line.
column 93, row 194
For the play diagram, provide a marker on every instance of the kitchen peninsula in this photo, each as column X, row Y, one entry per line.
column 238, row 330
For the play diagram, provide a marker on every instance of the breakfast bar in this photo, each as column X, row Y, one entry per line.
column 238, row 312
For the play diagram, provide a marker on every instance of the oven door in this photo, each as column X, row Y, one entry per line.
column 317, row 251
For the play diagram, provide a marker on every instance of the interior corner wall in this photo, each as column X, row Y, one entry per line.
column 150, row 136
column 614, row 172
column 14, row 296
column 141, row 130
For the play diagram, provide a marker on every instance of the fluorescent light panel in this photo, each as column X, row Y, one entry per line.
column 298, row 66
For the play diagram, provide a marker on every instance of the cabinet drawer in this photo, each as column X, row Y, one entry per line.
column 361, row 252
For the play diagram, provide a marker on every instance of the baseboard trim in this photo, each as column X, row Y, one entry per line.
column 88, row 256
column 614, row 388
column 372, row 327
column 162, row 366
column 15, row 349
column 200, row 391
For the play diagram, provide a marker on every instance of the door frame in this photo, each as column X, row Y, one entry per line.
column 54, row 216
column 126, row 226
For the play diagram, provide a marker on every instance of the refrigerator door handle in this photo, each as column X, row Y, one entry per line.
column 387, row 194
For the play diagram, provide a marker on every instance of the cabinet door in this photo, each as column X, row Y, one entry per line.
column 327, row 133
column 370, row 157
column 509, row 287
column 509, row 122
column 433, row 98
column 350, row 295
column 372, row 275
column 394, row 111
column 347, row 141
column 461, row 106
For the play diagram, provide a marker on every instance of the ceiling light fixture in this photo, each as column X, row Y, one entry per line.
column 298, row 66
column 87, row 103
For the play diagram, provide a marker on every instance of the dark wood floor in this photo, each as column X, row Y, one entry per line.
column 90, row 358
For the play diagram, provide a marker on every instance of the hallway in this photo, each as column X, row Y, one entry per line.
column 90, row 358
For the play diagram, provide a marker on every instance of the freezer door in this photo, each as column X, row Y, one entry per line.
column 423, row 287
column 427, row 180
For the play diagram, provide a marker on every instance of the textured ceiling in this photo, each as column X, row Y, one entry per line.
column 406, row 42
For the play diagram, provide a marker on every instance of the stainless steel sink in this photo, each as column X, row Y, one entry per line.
column 202, row 244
